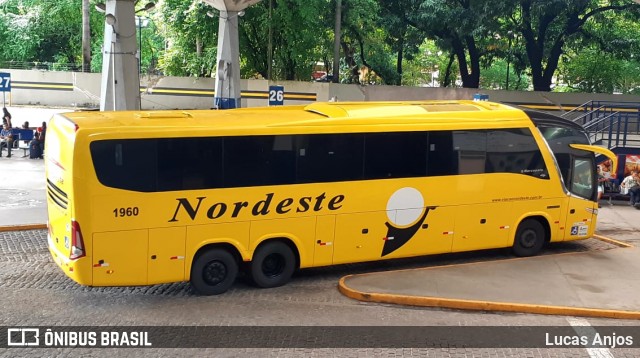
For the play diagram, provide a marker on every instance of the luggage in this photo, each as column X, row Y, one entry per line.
column 34, row 150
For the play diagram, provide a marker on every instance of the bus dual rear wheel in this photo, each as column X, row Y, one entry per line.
column 530, row 238
column 213, row 272
column 272, row 265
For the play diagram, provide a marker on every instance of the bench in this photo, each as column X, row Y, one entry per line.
column 612, row 192
column 24, row 137
column 21, row 139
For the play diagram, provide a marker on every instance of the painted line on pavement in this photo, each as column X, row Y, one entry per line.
column 582, row 327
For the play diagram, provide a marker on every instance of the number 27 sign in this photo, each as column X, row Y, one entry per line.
column 5, row 82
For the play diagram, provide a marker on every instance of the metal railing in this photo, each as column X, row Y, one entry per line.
column 609, row 123
column 41, row 66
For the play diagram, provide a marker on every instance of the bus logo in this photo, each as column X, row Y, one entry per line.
column 21, row 337
column 406, row 213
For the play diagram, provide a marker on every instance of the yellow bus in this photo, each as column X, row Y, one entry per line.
column 149, row 197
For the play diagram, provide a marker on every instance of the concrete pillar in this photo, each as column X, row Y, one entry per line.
column 120, row 88
column 228, row 60
column 227, row 89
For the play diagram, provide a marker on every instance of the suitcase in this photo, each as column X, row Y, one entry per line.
column 34, row 150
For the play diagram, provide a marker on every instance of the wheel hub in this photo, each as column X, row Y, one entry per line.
column 214, row 272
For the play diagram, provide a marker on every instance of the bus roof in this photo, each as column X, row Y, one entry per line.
column 313, row 115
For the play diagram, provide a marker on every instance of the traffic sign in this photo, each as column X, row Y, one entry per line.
column 276, row 95
column 5, row 82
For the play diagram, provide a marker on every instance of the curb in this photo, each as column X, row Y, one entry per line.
column 612, row 241
column 23, row 227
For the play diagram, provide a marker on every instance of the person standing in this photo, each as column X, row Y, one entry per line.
column 42, row 133
column 601, row 180
column 6, row 117
column 6, row 139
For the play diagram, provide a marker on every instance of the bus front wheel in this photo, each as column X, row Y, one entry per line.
column 529, row 238
column 213, row 272
column 272, row 265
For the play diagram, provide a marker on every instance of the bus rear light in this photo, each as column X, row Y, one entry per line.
column 77, row 243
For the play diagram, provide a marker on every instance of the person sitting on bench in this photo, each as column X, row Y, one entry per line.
column 6, row 139
column 632, row 185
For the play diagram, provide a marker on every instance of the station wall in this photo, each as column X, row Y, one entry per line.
column 82, row 90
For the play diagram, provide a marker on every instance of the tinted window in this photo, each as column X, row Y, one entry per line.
column 514, row 151
column 127, row 164
column 329, row 157
column 169, row 164
column 395, row 155
column 583, row 178
column 441, row 159
column 189, row 163
column 559, row 138
column 471, row 148
column 258, row 160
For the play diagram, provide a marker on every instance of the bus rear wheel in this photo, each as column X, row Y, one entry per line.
column 213, row 272
column 272, row 265
column 530, row 238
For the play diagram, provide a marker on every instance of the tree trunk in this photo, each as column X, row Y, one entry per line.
column 336, row 42
column 447, row 73
column 86, row 37
column 469, row 79
column 400, row 58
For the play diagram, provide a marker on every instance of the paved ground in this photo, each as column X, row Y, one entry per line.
column 33, row 291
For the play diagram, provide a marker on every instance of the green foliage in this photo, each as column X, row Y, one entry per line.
column 298, row 36
column 43, row 31
column 592, row 71
column 192, row 37
column 495, row 77
column 402, row 42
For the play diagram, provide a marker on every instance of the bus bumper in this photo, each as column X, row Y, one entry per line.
column 78, row 270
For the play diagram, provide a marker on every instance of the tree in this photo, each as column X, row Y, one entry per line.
column 456, row 25
column 547, row 25
column 191, row 37
column 297, row 30
column 43, row 31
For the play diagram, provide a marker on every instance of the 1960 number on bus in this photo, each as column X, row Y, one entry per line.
column 122, row 212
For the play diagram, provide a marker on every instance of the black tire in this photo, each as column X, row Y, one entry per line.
column 530, row 238
column 213, row 272
column 272, row 265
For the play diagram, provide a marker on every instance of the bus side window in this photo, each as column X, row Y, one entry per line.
column 471, row 148
column 395, row 155
column 329, row 157
column 514, row 151
column 129, row 164
column 441, row 159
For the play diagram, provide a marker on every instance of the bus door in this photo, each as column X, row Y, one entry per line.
column 583, row 191
column 583, row 187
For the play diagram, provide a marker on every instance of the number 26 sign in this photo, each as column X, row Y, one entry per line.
column 276, row 95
